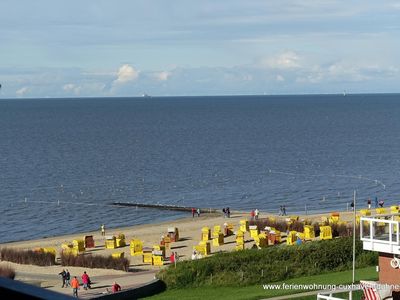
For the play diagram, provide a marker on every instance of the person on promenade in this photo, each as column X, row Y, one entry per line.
column 103, row 230
column 75, row 286
column 228, row 212
column 352, row 205
column 381, row 202
column 67, row 278
column 252, row 214
column 85, row 281
column 280, row 210
column 63, row 275
column 198, row 212
column 256, row 213
column 224, row 211
column 116, row 287
column 193, row 212
column 369, row 203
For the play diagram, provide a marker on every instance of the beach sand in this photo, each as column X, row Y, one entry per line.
column 150, row 234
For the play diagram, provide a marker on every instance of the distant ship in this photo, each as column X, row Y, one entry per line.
column 144, row 95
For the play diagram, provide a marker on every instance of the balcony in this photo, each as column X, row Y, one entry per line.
column 381, row 233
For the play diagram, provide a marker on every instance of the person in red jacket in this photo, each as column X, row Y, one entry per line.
column 116, row 287
column 193, row 211
column 85, row 281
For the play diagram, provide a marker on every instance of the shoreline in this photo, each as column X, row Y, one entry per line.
column 301, row 214
column 178, row 220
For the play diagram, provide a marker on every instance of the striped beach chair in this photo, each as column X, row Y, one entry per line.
column 372, row 292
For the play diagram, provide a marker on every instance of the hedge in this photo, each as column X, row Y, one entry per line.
column 268, row 265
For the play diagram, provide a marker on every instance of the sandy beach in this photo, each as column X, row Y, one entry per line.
column 150, row 234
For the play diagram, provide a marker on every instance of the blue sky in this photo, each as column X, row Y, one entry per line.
column 126, row 48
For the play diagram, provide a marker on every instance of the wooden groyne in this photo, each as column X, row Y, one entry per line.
column 165, row 207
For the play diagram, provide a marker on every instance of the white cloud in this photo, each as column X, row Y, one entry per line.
column 280, row 78
column 126, row 73
column 22, row 91
column 71, row 88
column 285, row 60
column 162, row 76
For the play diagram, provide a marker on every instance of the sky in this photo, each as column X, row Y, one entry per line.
column 96, row 48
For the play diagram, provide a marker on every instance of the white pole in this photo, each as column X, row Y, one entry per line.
column 354, row 243
column 354, row 236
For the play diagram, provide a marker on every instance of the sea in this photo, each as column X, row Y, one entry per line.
column 63, row 162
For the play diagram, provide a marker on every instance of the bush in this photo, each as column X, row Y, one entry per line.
column 7, row 271
column 27, row 257
column 273, row 264
column 95, row 261
column 277, row 224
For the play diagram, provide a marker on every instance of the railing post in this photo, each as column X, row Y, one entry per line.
column 371, row 231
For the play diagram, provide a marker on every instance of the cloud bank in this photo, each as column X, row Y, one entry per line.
column 286, row 72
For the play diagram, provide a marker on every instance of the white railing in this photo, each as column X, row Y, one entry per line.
column 328, row 297
column 382, row 234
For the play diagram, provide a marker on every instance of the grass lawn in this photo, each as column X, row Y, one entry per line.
column 257, row 291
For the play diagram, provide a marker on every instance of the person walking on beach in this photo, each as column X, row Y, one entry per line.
column 103, row 230
column 193, row 212
column 283, row 210
column 228, row 212
column 280, row 210
column 381, row 202
column 352, row 205
column 85, row 281
column 252, row 214
column 198, row 212
column 256, row 213
column 67, row 278
column 369, row 203
column 376, row 202
column 224, row 211
column 75, row 286
column 63, row 275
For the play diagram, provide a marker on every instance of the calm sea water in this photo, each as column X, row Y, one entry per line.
column 63, row 160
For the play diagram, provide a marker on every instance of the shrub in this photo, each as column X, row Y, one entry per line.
column 7, row 271
column 272, row 264
column 341, row 230
column 297, row 226
column 277, row 224
column 27, row 257
column 95, row 261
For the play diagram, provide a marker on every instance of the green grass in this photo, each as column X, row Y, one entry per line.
column 257, row 291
